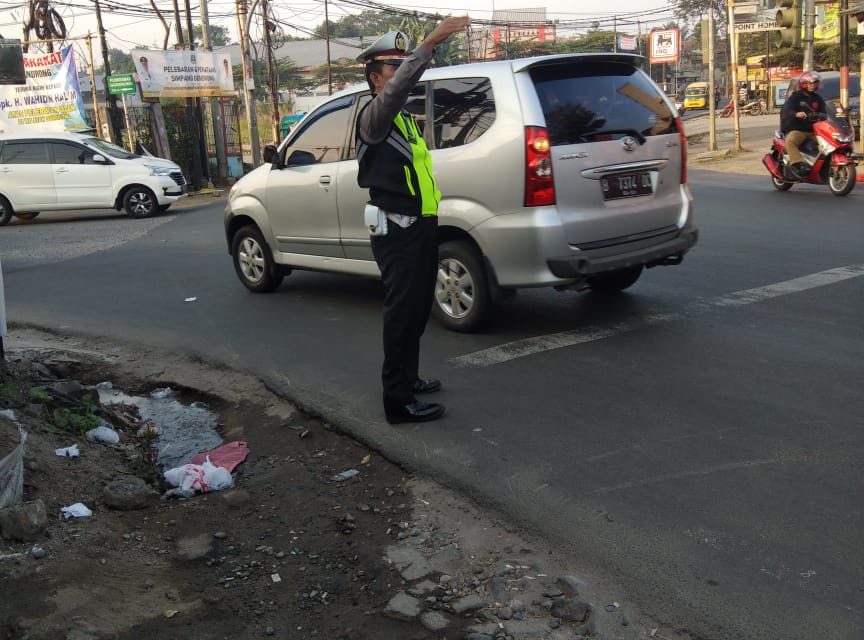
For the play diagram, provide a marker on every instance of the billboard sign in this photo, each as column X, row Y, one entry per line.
column 50, row 100
column 183, row 73
column 665, row 45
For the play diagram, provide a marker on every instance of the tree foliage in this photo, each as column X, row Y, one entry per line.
column 219, row 36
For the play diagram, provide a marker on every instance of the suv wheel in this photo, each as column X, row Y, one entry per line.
column 6, row 212
column 462, row 301
column 139, row 202
column 615, row 281
column 253, row 261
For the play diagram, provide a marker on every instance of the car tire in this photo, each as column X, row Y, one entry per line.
column 139, row 202
column 6, row 211
column 462, row 301
column 26, row 215
column 615, row 281
column 253, row 261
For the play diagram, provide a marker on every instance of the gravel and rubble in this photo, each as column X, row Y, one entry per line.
column 289, row 552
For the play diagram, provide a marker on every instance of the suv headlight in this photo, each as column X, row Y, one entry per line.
column 159, row 171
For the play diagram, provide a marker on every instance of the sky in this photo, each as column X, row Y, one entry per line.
column 128, row 25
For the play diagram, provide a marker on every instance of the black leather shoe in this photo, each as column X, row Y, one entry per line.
column 414, row 412
column 426, row 386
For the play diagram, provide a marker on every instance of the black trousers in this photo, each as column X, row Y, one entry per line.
column 408, row 260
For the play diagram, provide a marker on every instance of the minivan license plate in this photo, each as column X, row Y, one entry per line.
column 626, row 185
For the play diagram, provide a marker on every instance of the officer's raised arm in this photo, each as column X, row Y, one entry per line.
column 392, row 72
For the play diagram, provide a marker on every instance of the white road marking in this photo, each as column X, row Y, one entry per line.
column 538, row 344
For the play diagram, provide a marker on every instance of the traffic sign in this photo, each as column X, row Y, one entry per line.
column 121, row 83
column 761, row 25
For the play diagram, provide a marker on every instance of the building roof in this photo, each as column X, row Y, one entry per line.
column 520, row 16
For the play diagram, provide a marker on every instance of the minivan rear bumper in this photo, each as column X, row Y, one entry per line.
column 669, row 252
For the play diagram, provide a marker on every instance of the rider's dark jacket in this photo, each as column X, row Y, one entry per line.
column 800, row 101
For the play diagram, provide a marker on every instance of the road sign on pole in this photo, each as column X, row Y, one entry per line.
column 761, row 25
column 121, row 83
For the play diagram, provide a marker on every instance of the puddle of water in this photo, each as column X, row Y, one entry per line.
column 184, row 430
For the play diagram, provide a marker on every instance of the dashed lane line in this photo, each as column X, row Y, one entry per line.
column 538, row 344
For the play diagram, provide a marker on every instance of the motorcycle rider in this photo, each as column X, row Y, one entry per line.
column 795, row 120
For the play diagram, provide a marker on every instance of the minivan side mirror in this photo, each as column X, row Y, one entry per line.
column 300, row 158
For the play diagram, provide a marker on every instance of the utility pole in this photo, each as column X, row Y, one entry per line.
column 327, row 40
column 843, row 18
column 272, row 75
column 733, row 58
column 109, row 100
column 96, row 115
column 203, row 164
column 214, row 113
column 809, row 22
column 712, row 108
column 190, row 114
column 248, row 84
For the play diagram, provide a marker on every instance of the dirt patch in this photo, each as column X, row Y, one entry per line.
column 289, row 552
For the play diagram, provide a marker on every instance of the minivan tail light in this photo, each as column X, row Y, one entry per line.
column 539, row 182
column 679, row 124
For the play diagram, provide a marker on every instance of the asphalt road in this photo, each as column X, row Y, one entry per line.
column 695, row 443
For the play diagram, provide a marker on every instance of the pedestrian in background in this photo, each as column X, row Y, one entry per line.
column 396, row 167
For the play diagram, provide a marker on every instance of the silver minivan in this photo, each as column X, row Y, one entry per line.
column 567, row 171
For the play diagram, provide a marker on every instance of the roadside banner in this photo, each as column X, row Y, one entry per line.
column 183, row 73
column 50, row 100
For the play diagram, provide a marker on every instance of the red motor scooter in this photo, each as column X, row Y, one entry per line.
column 829, row 156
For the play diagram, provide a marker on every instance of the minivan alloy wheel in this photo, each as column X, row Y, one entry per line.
column 139, row 202
column 253, row 262
column 462, row 301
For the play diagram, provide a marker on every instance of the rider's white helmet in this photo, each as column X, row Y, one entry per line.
column 809, row 78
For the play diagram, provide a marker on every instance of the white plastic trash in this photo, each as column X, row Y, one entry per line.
column 103, row 434
column 68, row 452
column 159, row 394
column 199, row 478
column 77, row 510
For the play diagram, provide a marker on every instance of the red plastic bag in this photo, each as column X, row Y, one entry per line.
column 228, row 455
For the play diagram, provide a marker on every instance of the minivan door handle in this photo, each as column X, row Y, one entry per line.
column 6, row 170
column 63, row 170
column 325, row 180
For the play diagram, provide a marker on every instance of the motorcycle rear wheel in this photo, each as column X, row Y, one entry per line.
column 841, row 180
column 781, row 185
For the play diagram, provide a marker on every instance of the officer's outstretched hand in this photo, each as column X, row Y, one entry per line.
column 446, row 28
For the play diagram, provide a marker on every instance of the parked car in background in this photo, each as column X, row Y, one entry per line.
column 829, row 89
column 677, row 101
column 566, row 171
column 65, row 171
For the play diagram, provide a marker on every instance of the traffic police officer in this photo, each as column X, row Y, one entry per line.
column 396, row 167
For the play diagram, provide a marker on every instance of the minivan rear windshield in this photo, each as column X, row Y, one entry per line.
column 600, row 101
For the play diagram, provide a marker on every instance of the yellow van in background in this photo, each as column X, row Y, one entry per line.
column 696, row 95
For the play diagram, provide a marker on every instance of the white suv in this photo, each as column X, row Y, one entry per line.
column 63, row 171
column 563, row 171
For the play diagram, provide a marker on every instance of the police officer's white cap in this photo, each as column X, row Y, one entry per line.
column 391, row 46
